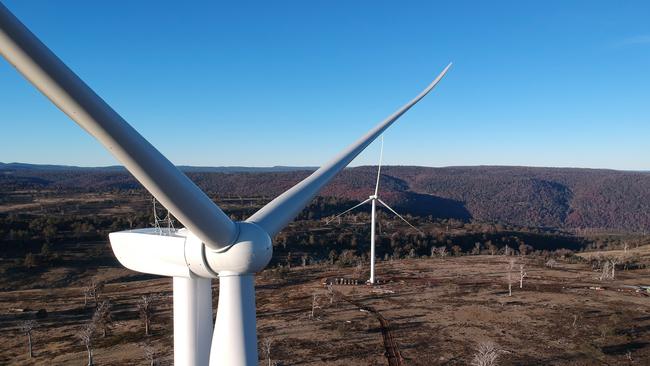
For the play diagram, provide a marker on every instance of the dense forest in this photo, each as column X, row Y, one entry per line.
column 564, row 198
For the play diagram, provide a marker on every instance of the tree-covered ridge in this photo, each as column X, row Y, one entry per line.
column 526, row 196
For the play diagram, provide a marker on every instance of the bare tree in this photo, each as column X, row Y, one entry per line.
column 442, row 251
column 613, row 262
column 606, row 272
column 315, row 304
column 102, row 316
column 551, row 263
column 146, row 308
column 26, row 327
column 265, row 345
column 486, row 354
column 510, row 267
column 522, row 274
column 492, row 249
column 93, row 291
column 86, row 335
column 97, row 288
column 87, row 294
column 330, row 293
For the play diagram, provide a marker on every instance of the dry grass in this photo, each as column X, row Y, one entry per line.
column 439, row 309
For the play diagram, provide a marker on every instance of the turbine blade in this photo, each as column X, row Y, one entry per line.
column 348, row 210
column 398, row 215
column 158, row 175
column 283, row 209
column 381, row 155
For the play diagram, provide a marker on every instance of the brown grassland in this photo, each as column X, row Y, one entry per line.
column 438, row 311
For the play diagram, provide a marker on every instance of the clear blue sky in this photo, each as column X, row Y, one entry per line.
column 543, row 83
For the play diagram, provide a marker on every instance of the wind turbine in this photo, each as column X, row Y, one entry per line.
column 373, row 199
column 211, row 245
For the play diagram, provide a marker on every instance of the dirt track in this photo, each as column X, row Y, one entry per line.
column 393, row 355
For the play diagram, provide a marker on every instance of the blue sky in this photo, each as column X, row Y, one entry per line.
column 542, row 83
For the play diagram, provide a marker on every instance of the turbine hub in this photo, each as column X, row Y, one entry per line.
column 250, row 253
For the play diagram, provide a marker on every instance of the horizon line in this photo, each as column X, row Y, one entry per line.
column 307, row 167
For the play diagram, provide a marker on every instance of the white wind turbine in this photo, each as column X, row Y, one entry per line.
column 373, row 199
column 211, row 245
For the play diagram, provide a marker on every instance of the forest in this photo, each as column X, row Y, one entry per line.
column 564, row 198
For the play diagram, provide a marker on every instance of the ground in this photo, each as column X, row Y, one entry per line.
column 438, row 310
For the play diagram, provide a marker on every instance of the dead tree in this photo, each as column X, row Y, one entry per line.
column 609, row 269
column 97, row 288
column 87, row 294
column 146, row 308
column 442, row 251
column 26, row 327
column 86, row 335
column 613, row 262
column 103, row 316
column 606, row 272
column 93, row 291
column 551, row 263
column 315, row 304
column 522, row 274
column 486, row 354
column 510, row 267
column 330, row 293
column 265, row 345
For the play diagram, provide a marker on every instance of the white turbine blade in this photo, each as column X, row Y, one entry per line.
column 283, row 209
column 381, row 155
column 348, row 210
column 158, row 175
column 398, row 215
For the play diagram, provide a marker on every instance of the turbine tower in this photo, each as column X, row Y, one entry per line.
column 373, row 199
column 211, row 245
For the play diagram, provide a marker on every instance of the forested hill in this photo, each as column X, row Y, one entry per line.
column 549, row 197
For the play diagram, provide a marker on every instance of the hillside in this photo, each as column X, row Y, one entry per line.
column 539, row 197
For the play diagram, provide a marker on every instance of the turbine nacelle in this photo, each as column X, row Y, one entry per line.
column 182, row 254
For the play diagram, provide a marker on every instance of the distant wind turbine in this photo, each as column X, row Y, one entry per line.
column 373, row 199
